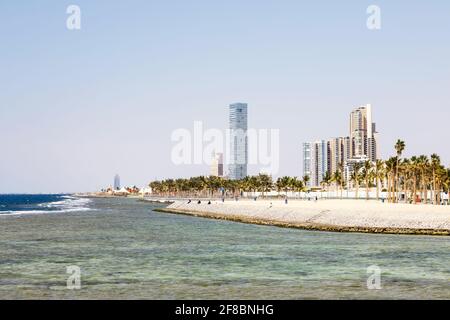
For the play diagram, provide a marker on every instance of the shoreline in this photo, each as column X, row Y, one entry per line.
column 348, row 217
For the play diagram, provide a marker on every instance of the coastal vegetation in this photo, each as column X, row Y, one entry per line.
column 419, row 179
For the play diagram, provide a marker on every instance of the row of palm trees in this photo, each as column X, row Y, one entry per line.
column 416, row 179
column 213, row 186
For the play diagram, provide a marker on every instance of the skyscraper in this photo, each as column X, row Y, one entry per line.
column 116, row 182
column 307, row 162
column 340, row 154
column 363, row 135
column 237, row 167
column 315, row 161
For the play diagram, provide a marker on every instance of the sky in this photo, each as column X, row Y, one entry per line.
column 79, row 106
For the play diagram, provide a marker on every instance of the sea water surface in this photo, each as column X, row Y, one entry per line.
column 125, row 250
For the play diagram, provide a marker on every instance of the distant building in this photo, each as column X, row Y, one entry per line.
column 116, row 182
column 217, row 165
column 238, row 159
column 341, row 154
column 315, row 161
column 338, row 153
column 307, row 162
column 363, row 135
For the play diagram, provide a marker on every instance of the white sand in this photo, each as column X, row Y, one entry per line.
column 343, row 213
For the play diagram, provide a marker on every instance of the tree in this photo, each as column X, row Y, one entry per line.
column 399, row 148
column 435, row 164
column 355, row 177
column 285, row 184
column 306, row 179
column 264, row 183
column 379, row 174
column 367, row 174
column 326, row 180
column 337, row 177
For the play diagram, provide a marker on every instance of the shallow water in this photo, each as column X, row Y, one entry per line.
column 127, row 251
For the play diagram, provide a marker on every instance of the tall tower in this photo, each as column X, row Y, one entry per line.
column 315, row 161
column 237, row 167
column 307, row 162
column 116, row 182
column 363, row 135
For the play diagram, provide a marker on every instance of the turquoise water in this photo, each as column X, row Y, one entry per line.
column 127, row 251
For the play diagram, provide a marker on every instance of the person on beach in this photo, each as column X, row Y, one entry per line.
column 223, row 199
column 286, row 200
column 209, row 202
column 199, row 202
column 189, row 201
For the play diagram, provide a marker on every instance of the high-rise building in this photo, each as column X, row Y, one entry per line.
column 116, row 182
column 363, row 135
column 340, row 154
column 217, row 165
column 237, row 166
column 307, row 162
column 315, row 161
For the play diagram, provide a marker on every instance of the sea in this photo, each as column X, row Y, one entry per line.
column 67, row 247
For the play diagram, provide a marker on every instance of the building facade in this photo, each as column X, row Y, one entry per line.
column 341, row 153
column 315, row 161
column 363, row 135
column 238, row 159
column 217, row 165
column 307, row 162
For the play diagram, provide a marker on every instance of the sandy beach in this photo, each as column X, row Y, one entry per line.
column 326, row 215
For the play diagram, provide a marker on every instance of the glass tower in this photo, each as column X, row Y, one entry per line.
column 237, row 167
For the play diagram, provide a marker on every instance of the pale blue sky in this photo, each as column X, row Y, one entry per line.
column 77, row 107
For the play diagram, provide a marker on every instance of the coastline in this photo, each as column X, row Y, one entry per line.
column 331, row 215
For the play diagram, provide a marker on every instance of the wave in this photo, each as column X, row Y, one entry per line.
column 68, row 204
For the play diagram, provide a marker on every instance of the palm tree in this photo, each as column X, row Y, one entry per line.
column 297, row 185
column 355, row 177
column 379, row 174
column 326, row 180
column 285, row 184
column 390, row 176
column 265, row 183
column 447, row 185
column 435, row 164
column 399, row 148
column 337, row 177
column 306, row 179
column 423, row 164
column 367, row 174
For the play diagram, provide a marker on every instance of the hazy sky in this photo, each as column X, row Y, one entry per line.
column 77, row 107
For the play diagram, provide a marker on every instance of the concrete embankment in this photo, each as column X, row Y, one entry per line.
column 327, row 215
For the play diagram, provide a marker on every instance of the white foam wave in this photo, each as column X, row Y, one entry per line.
column 69, row 204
